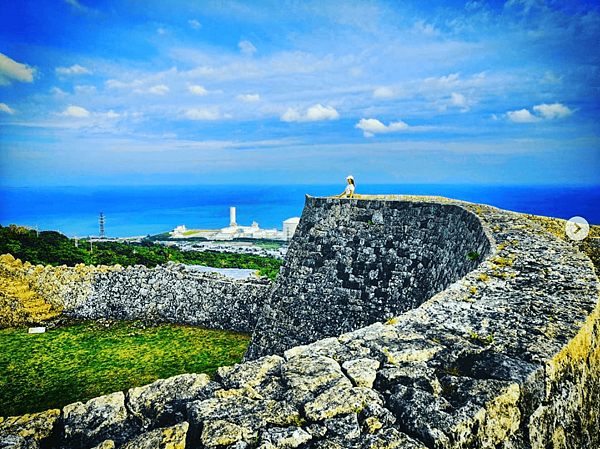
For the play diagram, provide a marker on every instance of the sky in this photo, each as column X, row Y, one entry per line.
column 153, row 92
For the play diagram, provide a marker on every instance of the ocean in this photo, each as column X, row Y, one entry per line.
column 148, row 210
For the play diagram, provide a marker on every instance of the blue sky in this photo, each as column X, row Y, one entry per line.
column 299, row 92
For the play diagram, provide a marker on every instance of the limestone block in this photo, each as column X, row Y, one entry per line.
column 165, row 438
column 344, row 426
column 28, row 430
column 221, row 433
column 285, row 437
column 251, row 374
column 101, row 418
column 163, row 402
column 340, row 400
column 362, row 372
column 312, row 374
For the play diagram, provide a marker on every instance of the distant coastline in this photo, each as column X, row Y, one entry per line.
column 150, row 210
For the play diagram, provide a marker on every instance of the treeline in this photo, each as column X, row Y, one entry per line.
column 54, row 248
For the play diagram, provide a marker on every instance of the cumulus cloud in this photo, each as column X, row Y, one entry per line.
column 204, row 114
column 159, row 89
column 11, row 70
column 313, row 114
column 247, row 48
column 76, row 111
column 543, row 112
column 388, row 92
column 200, row 90
column 373, row 126
column 58, row 92
column 115, row 84
column 522, row 116
column 250, row 98
column 444, row 82
column 194, row 23
column 4, row 108
column 552, row 111
column 73, row 70
column 458, row 99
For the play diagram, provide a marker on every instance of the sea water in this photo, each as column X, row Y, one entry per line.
column 149, row 210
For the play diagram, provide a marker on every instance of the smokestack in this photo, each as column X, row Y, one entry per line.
column 232, row 216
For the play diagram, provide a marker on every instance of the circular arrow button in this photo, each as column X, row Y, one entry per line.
column 577, row 228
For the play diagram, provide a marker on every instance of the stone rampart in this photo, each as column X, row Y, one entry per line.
column 165, row 293
column 507, row 356
column 356, row 262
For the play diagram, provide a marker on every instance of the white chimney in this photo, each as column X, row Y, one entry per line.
column 232, row 216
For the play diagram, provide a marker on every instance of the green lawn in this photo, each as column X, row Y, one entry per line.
column 86, row 360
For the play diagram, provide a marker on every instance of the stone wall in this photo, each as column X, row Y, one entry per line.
column 506, row 357
column 353, row 263
column 166, row 293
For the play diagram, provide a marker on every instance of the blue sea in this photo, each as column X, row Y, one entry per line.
column 142, row 210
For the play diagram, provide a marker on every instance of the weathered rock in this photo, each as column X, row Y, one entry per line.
column 106, row 444
column 285, row 437
column 340, row 400
column 173, row 437
column 362, row 372
column 27, row 431
column 99, row 419
column 163, row 402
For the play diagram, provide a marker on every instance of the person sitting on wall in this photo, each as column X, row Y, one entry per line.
column 349, row 192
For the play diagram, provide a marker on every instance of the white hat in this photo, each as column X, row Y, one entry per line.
column 350, row 177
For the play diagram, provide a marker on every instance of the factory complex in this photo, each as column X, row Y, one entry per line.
column 235, row 231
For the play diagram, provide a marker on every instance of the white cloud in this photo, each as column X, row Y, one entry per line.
column 444, row 82
column 458, row 99
column 194, row 23
column 4, row 108
column 250, row 98
column 115, row 84
column 198, row 90
column 522, row 116
column 161, row 31
column 73, row 70
column 159, row 89
column 111, row 114
column 544, row 112
column 85, row 89
column 388, row 92
column 76, row 111
column 313, row 114
column 12, row 70
column 426, row 29
column 551, row 78
column 552, row 111
column 204, row 114
column 58, row 92
column 247, row 48
column 373, row 126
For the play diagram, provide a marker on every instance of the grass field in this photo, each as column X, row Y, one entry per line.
column 86, row 360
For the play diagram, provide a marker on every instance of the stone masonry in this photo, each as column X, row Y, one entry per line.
column 354, row 263
column 506, row 356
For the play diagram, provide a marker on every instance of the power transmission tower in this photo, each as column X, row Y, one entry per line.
column 102, row 235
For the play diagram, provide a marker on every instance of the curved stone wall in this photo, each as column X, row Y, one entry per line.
column 506, row 357
column 353, row 263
